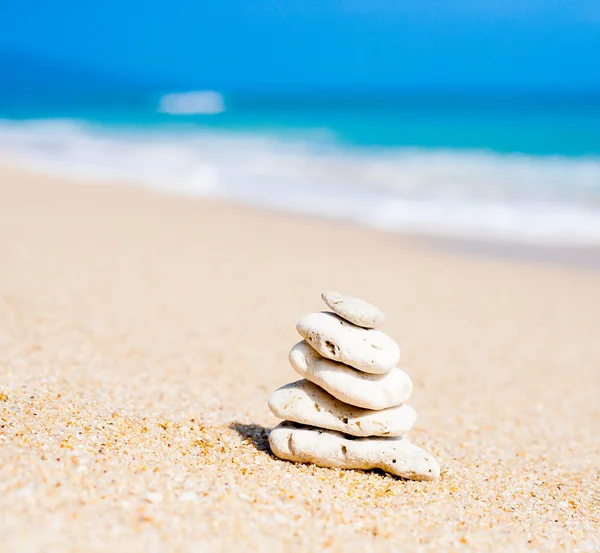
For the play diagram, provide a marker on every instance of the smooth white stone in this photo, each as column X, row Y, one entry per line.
column 367, row 350
column 306, row 403
column 355, row 310
column 371, row 391
column 326, row 448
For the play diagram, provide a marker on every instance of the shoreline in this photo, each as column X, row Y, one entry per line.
column 141, row 335
column 586, row 257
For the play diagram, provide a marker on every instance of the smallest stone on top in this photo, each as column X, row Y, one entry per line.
column 349, row 409
column 357, row 311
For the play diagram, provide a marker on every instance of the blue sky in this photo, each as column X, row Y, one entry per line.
column 316, row 44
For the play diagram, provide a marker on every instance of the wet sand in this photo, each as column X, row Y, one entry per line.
column 585, row 257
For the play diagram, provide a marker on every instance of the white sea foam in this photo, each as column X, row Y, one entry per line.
column 474, row 195
column 188, row 103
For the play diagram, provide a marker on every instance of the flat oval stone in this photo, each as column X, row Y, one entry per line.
column 326, row 448
column 367, row 350
column 370, row 391
column 355, row 310
column 306, row 403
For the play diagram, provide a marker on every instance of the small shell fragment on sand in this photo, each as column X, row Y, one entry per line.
column 367, row 350
column 326, row 448
column 355, row 310
column 370, row 391
column 305, row 403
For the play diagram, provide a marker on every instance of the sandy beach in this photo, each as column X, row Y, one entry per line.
column 142, row 334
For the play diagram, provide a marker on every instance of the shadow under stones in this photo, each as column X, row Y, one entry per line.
column 254, row 434
column 258, row 437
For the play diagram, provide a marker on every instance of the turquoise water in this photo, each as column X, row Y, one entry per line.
column 543, row 124
column 505, row 166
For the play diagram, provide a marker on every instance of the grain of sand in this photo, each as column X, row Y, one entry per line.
column 141, row 336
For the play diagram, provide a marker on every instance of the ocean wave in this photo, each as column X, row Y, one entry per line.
column 206, row 102
column 448, row 193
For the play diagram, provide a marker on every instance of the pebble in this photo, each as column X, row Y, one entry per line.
column 370, row 391
column 367, row 350
column 355, row 310
column 348, row 411
column 306, row 403
column 326, row 448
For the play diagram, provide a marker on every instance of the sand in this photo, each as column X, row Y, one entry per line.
column 141, row 336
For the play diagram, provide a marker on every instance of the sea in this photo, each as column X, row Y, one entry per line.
column 510, row 167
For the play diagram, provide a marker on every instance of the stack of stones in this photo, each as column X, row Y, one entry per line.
column 348, row 411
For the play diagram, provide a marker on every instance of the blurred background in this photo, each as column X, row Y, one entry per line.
column 449, row 118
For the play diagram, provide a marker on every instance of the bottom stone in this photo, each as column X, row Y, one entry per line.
column 326, row 448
